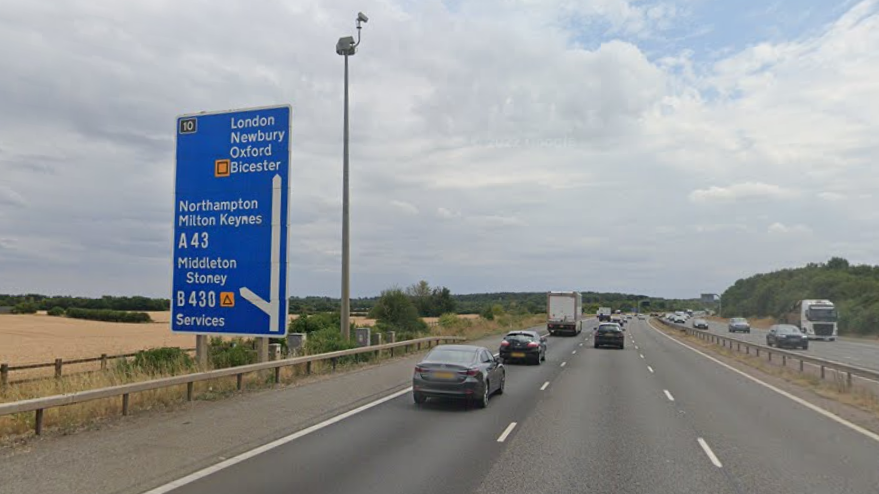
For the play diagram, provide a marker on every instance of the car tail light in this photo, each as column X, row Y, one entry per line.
column 470, row 372
column 505, row 343
column 533, row 344
column 419, row 370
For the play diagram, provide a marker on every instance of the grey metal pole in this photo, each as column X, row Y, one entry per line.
column 346, row 247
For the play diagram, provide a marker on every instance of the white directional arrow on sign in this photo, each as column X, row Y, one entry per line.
column 274, row 304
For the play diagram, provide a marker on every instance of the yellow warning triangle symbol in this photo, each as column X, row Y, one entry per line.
column 227, row 299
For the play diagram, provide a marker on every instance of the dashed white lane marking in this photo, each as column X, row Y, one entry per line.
column 564, row 363
column 544, row 386
column 815, row 408
column 641, row 354
column 707, row 450
column 668, row 395
column 650, row 369
column 506, row 432
column 574, row 352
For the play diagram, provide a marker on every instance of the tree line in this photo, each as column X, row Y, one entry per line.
column 854, row 289
column 33, row 302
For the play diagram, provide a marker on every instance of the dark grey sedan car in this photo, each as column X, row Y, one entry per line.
column 458, row 371
column 787, row 335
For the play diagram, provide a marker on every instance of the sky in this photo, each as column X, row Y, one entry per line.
column 660, row 147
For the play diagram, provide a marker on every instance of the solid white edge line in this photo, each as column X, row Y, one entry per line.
column 707, row 450
column 650, row 369
column 170, row 486
column 563, row 364
column 815, row 408
column 507, row 431
column 668, row 395
column 544, row 386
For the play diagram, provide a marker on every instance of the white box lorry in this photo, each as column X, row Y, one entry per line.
column 564, row 313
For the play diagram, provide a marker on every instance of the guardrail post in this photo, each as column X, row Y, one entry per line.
column 784, row 360
column 189, row 390
column 747, row 350
column 334, row 364
column 822, row 372
column 758, row 351
column 418, row 346
column 125, row 404
column 4, row 374
column 239, row 381
column 277, row 375
column 308, row 368
column 103, row 361
column 770, row 356
column 392, row 338
column 58, row 364
column 801, row 365
column 848, row 380
column 38, row 422
column 738, row 347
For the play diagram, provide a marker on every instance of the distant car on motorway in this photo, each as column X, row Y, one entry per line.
column 619, row 321
column 739, row 325
column 787, row 335
column 458, row 371
column 609, row 334
column 527, row 346
column 700, row 324
column 678, row 318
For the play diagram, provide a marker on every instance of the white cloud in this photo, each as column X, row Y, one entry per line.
column 831, row 196
column 405, row 207
column 739, row 192
column 781, row 229
column 447, row 213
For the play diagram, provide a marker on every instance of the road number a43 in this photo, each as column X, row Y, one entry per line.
column 198, row 240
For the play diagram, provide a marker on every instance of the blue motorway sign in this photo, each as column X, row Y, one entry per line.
column 230, row 223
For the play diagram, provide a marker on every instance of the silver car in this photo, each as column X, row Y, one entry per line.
column 739, row 325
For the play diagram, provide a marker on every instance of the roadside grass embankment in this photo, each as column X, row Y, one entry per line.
column 69, row 419
column 863, row 394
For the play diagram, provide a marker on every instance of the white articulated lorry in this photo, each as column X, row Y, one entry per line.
column 817, row 319
column 564, row 313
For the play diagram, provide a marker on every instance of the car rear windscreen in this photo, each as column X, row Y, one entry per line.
column 519, row 337
column 605, row 329
column 451, row 356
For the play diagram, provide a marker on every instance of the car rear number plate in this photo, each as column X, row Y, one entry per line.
column 444, row 375
column 518, row 355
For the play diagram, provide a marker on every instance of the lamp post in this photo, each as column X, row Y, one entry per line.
column 346, row 46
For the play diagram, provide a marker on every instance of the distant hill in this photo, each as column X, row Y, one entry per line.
column 853, row 289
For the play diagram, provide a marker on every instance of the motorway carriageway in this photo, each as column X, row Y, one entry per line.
column 846, row 351
column 657, row 417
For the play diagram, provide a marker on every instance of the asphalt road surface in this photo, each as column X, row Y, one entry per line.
column 861, row 354
column 656, row 417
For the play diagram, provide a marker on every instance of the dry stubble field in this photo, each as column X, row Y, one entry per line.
column 38, row 338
